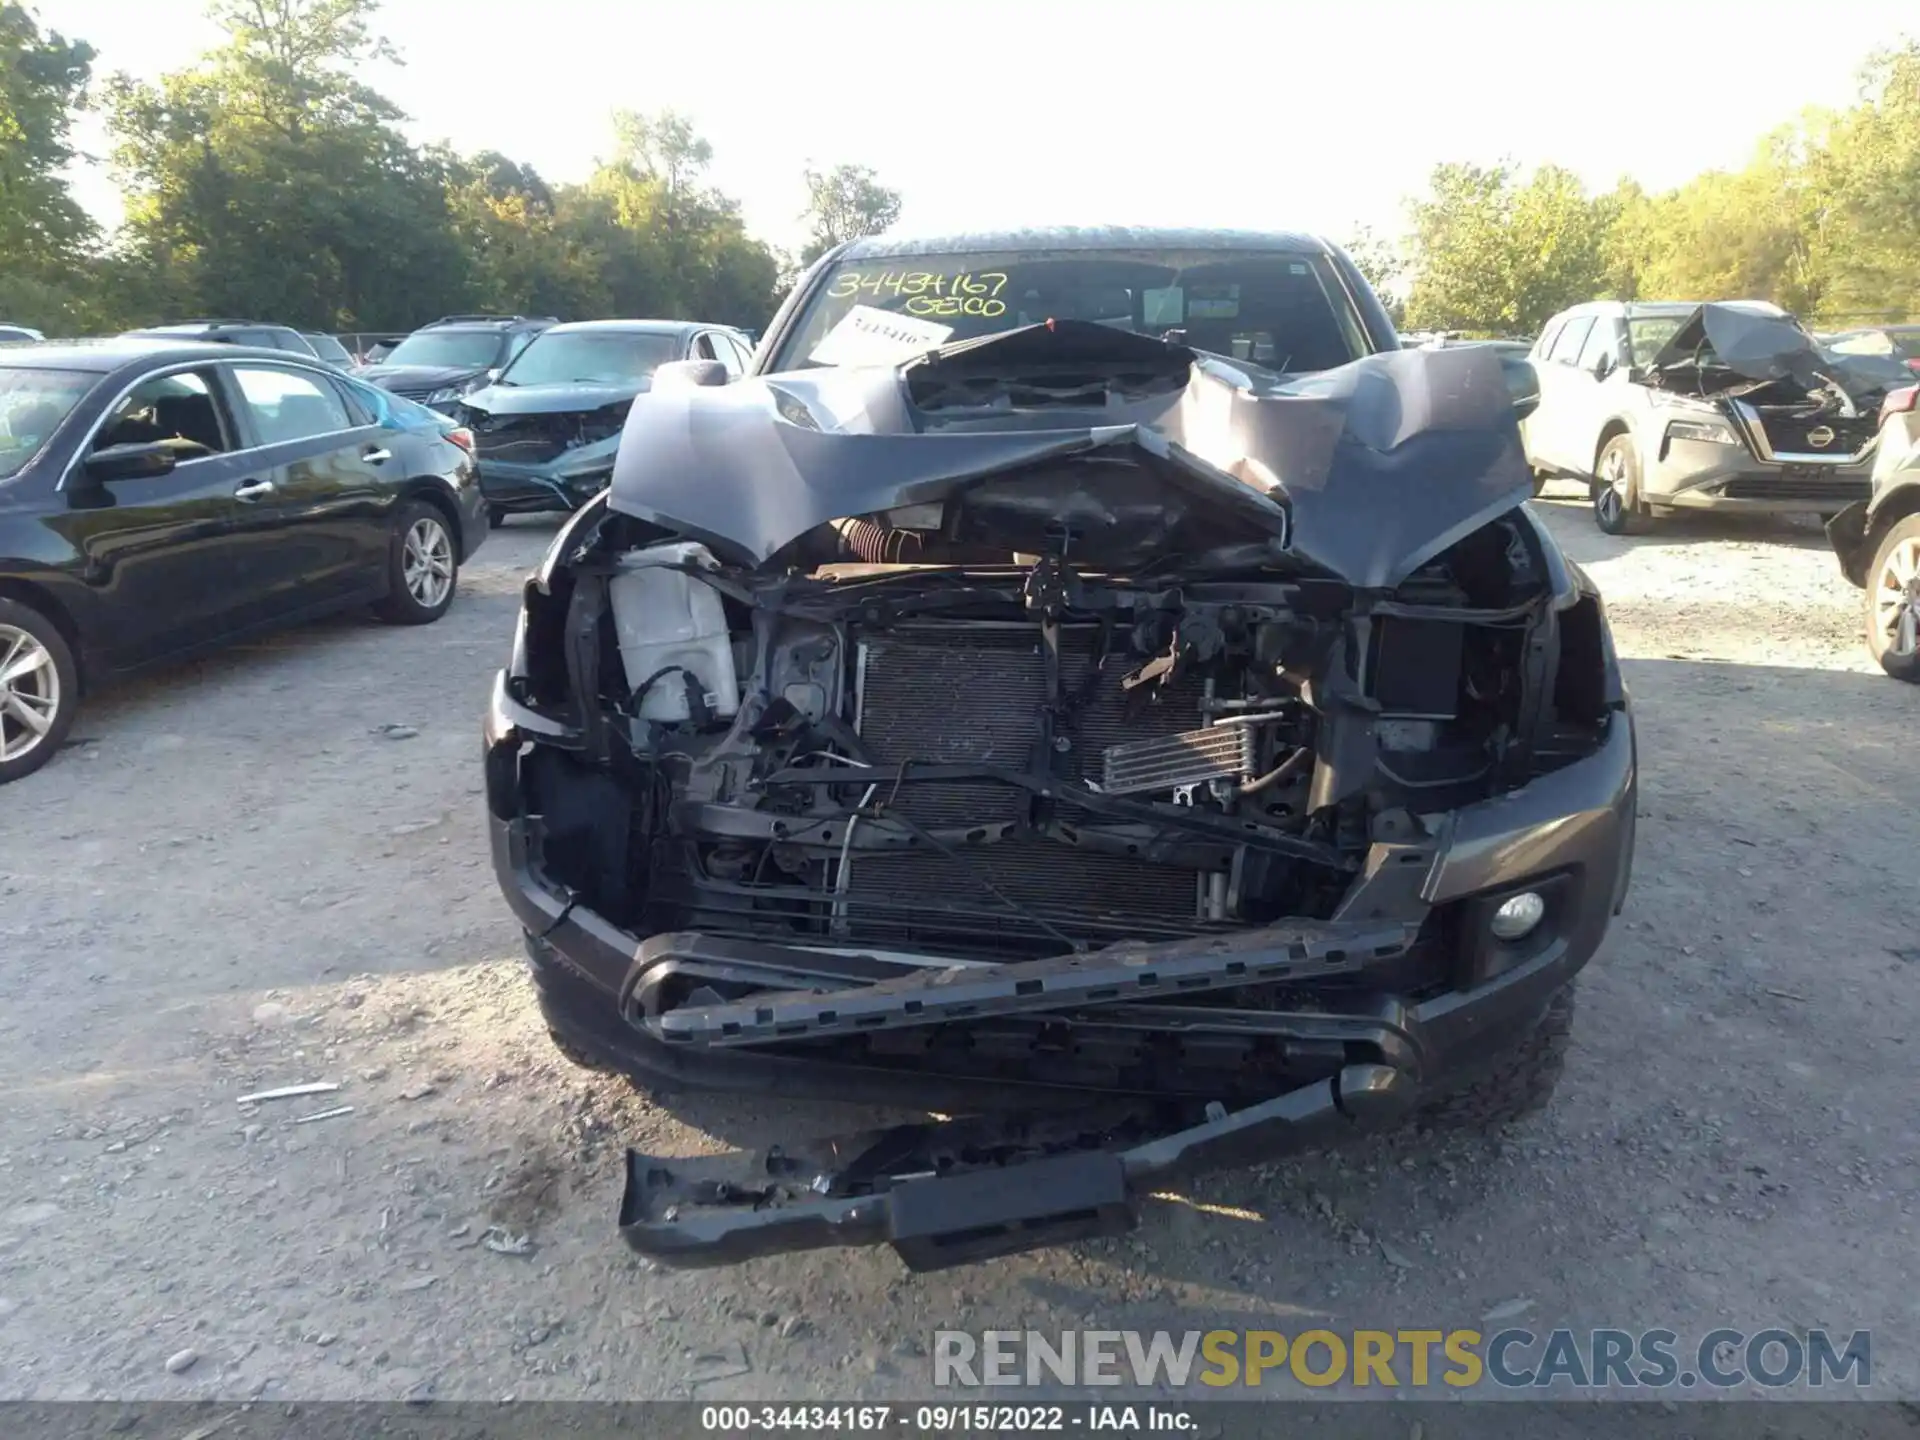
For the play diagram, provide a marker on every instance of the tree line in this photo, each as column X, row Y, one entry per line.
column 268, row 181
column 1824, row 219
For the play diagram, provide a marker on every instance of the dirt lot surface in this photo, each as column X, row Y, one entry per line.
column 241, row 876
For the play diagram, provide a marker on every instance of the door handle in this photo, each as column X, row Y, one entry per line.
column 376, row 455
column 251, row 490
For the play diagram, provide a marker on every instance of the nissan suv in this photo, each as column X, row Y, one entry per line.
column 1722, row 406
column 441, row 363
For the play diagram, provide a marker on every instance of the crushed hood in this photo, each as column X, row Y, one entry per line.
column 552, row 399
column 1761, row 348
column 1366, row 472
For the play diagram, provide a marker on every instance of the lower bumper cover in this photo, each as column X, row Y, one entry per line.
column 1062, row 1178
column 515, row 489
column 1698, row 475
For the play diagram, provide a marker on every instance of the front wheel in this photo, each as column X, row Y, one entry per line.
column 1617, row 508
column 1514, row 1084
column 422, row 567
column 39, row 690
column 1893, row 601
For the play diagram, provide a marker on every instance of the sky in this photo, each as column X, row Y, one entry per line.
column 1296, row 114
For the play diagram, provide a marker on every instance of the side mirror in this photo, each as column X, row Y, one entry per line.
column 680, row 374
column 1603, row 367
column 132, row 462
column 1523, row 385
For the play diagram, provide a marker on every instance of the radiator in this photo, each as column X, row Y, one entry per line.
column 963, row 696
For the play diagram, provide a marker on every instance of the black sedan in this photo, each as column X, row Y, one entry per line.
column 160, row 499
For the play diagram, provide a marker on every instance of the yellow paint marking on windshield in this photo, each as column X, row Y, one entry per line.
column 927, row 292
column 949, row 305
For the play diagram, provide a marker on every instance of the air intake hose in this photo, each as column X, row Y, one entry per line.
column 878, row 544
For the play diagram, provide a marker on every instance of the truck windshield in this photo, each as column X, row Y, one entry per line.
column 1278, row 310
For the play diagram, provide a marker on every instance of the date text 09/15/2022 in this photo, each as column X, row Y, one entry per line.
column 948, row 1419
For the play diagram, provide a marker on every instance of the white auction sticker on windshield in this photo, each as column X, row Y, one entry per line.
column 868, row 335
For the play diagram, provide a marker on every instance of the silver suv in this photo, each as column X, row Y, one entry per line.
column 1678, row 405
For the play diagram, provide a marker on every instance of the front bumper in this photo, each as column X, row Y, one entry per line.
column 1702, row 475
column 1382, row 1046
column 539, row 489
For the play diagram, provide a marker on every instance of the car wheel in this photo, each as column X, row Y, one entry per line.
column 1616, row 488
column 423, row 568
column 39, row 690
column 1540, row 478
column 1518, row 1082
column 496, row 518
column 1893, row 601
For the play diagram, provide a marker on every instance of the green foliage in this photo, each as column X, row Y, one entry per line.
column 1376, row 258
column 1864, row 209
column 1822, row 220
column 45, row 237
column 271, row 180
column 1498, row 255
column 843, row 204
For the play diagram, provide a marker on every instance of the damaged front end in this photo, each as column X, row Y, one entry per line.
column 1143, row 792
column 1795, row 403
column 546, row 448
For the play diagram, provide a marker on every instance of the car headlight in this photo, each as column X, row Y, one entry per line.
column 444, row 394
column 1711, row 432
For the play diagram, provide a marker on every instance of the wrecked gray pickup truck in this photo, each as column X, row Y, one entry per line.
column 1139, row 721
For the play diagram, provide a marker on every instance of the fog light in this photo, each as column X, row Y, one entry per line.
column 1517, row 916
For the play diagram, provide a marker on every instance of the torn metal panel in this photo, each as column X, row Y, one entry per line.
column 1757, row 345
column 1364, row 472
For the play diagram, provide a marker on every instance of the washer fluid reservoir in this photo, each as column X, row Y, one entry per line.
column 668, row 621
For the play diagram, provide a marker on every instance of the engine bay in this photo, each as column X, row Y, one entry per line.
column 984, row 756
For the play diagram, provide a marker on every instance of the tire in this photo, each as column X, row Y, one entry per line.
column 1893, row 601
column 1540, row 479
column 1615, row 489
column 423, row 566
column 1519, row 1082
column 582, row 1033
column 585, row 1053
column 40, row 691
column 496, row 518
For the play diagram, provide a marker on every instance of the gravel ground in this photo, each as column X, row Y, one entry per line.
column 242, row 876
